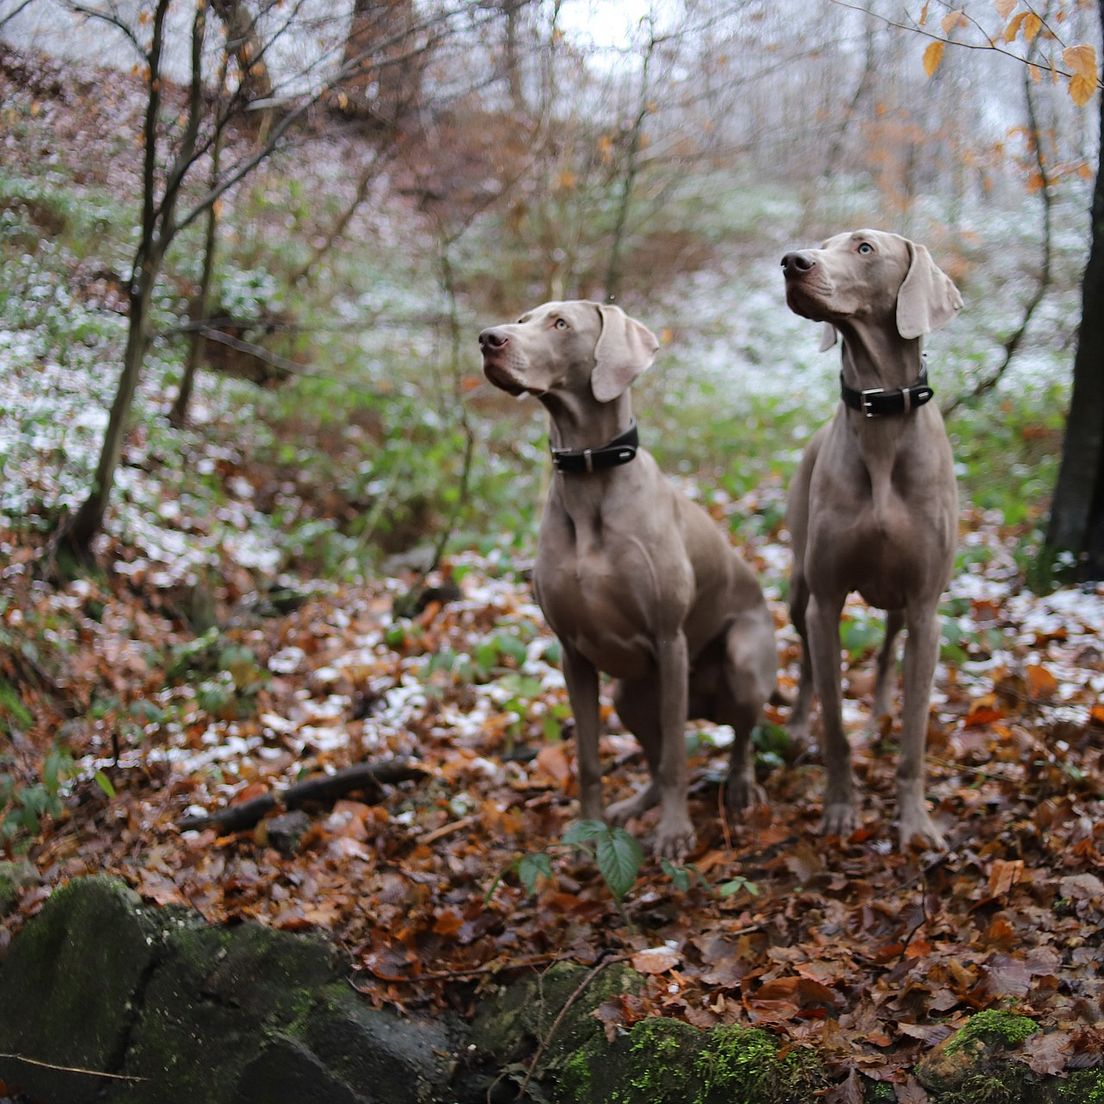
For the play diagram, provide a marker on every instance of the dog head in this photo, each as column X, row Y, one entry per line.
column 568, row 346
column 872, row 277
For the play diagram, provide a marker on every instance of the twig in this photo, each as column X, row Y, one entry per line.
column 73, row 1069
column 449, row 829
column 550, row 957
column 578, row 992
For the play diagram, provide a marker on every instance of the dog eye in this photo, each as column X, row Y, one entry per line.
column 865, row 247
column 561, row 324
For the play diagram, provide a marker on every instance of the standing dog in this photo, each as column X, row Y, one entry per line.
column 634, row 578
column 873, row 506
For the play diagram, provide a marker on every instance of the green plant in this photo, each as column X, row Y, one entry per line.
column 25, row 805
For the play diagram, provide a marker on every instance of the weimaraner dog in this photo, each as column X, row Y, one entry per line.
column 634, row 578
column 873, row 507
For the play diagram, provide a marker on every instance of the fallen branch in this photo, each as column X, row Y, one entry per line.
column 325, row 787
column 72, row 1069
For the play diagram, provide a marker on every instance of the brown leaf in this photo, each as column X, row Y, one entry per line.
column 911, row 1092
column 655, row 960
column 1003, row 875
column 1047, row 1053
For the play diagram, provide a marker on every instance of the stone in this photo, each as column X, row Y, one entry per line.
column 69, row 988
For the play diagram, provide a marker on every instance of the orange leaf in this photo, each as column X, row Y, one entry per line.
column 1031, row 27
column 1081, row 60
column 954, row 19
column 1003, row 875
column 1004, row 7
column 448, row 922
column 1014, row 26
column 1081, row 90
column 655, row 960
column 983, row 711
column 933, row 55
column 1041, row 684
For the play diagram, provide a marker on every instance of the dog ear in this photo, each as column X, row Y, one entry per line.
column 928, row 298
column 827, row 336
column 625, row 349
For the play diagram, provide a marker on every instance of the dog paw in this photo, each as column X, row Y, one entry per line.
column 640, row 802
column 840, row 819
column 674, row 840
column 917, row 829
column 742, row 792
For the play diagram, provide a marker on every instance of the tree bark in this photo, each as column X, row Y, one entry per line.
column 1077, row 512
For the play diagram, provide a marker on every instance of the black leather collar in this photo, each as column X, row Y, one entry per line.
column 619, row 451
column 874, row 402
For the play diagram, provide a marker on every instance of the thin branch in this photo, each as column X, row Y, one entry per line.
column 73, row 1069
column 990, row 45
column 12, row 14
column 567, row 1005
column 113, row 20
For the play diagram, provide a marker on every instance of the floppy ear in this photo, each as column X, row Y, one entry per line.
column 928, row 298
column 625, row 349
column 827, row 336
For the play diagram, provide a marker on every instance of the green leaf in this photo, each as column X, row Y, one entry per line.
column 532, row 867
column 583, row 831
column 682, row 877
column 731, row 888
column 619, row 858
column 104, row 783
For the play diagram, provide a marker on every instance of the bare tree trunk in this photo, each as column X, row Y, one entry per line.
column 201, row 307
column 77, row 534
column 381, row 90
column 244, row 42
column 1077, row 512
column 83, row 527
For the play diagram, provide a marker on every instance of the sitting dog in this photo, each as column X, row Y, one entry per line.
column 634, row 578
column 873, row 507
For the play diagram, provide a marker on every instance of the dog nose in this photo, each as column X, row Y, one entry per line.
column 797, row 262
column 492, row 339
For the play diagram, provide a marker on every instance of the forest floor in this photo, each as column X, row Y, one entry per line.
column 436, row 886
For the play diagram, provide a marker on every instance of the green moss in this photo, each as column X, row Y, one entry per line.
column 879, row 1092
column 986, row 1089
column 1082, row 1087
column 992, row 1027
column 669, row 1062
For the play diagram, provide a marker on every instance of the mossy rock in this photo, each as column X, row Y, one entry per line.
column 509, row 1026
column 977, row 1065
column 69, row 986
column 190, row 1012
column 974, row 1059
column 209, row 1003
column 665, row 1061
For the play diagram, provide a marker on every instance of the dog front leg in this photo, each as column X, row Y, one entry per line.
column 675, row 834
column 822, row 620
column 921, row 651
column 582, row 691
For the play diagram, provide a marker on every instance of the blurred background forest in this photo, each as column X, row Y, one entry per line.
column 291, row 235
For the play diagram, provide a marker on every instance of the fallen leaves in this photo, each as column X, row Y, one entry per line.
column 440, row 881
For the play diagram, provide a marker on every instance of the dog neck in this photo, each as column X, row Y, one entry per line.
column 579, row 422
column 875, row 356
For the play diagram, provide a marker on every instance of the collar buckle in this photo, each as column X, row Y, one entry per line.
column 867, row 401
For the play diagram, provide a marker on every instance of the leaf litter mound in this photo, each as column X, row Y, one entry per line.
column 869, row 955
